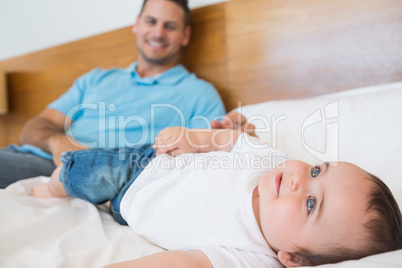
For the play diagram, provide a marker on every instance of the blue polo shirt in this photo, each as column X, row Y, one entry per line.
column 117, row 108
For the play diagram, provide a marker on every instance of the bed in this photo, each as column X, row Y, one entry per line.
column 320, row 80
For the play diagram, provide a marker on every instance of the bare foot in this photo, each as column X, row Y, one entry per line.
column 41, row 190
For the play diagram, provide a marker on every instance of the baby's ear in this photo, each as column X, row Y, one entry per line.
column 290, row 260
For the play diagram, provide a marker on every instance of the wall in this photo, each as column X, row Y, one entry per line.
column 36, row 79
column 27, row 26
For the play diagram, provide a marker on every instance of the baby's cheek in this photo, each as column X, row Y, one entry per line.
column 285, row 211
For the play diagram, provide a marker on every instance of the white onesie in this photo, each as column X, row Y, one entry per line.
column 204, row 201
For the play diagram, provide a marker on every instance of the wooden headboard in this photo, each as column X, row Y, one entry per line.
column 253, row 51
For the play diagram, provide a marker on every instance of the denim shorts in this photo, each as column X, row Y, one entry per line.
column 101, row 175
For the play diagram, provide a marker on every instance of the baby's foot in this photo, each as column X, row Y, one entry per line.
column 41, row 190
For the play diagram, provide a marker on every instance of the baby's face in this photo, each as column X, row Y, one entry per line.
column 303, row 206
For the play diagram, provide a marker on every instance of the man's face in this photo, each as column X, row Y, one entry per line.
column 308, row 207
column 161, row 32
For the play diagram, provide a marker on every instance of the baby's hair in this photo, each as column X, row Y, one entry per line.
column 384, row 229
column 182, row 3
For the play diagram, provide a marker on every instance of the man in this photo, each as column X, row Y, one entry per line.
column 120, row 107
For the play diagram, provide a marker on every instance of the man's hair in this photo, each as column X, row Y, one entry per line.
column 384, row 229
column 182, row 3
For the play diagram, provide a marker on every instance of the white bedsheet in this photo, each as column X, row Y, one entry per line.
column 61, row 232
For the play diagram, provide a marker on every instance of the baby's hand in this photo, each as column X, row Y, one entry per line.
column 175, row 141
column 235, row 120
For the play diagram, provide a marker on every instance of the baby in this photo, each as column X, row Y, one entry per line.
column 226, row 200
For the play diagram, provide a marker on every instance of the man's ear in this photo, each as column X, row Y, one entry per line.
column 290, row 260
column 134, row 28
column 187, row 36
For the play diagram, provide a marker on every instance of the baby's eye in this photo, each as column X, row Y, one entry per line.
column 315, row 171
column 310, row 203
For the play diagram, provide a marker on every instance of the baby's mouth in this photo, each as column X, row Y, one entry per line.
column 278, row 182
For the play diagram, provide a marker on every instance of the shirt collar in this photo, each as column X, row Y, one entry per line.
column 169, row 77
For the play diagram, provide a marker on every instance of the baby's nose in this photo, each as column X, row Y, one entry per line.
column 297, row 182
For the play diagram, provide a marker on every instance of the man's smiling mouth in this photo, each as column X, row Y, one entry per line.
column 156, row 44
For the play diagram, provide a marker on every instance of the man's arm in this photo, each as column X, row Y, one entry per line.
column 167, row 259
column 47, row 131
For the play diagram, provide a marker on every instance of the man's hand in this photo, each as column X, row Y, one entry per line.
column 176, row 141
column 234, row 120
column 61, row 143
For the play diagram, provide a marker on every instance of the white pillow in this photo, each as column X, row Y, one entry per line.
column 362, row 126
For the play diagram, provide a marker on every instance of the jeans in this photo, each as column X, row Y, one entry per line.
column 16, row 165
column 101, row 175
